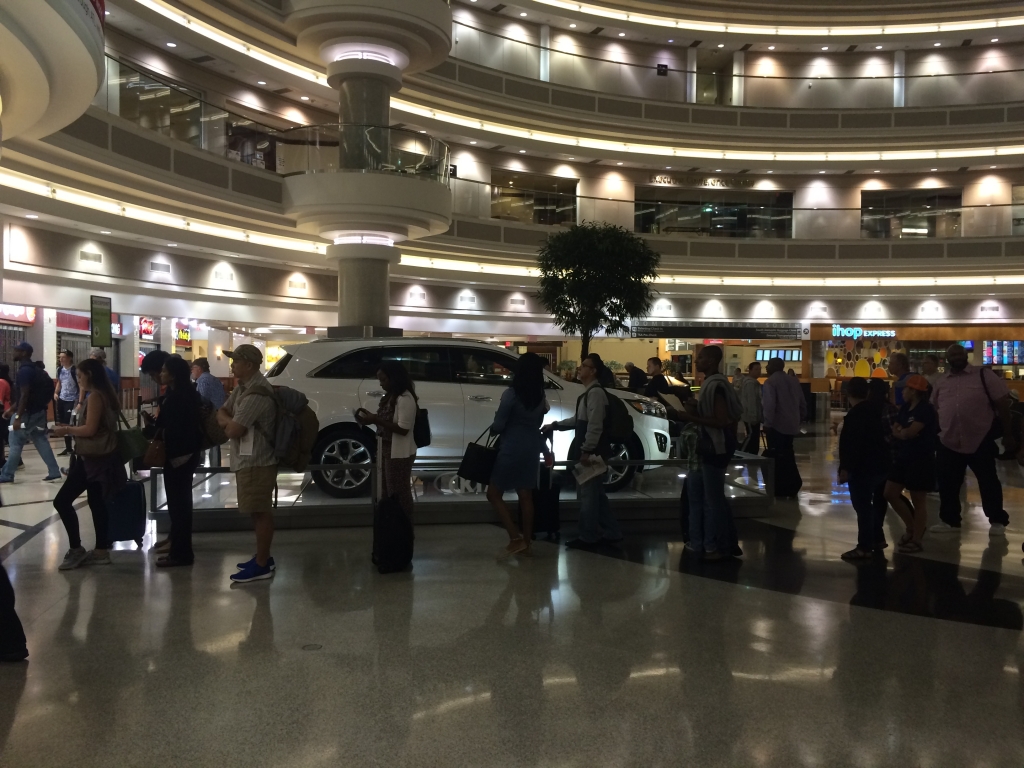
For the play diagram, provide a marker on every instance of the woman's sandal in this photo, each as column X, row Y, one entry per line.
column 905, row 539
column 516, row 546
column 162, row 547
column 910, row 548
column 856, row 554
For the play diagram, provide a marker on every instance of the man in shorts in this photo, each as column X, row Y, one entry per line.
column 249, row 419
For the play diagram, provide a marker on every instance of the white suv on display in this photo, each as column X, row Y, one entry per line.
column 458, row 382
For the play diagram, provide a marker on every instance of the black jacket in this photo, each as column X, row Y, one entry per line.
column 862, row 445
column 181, row 422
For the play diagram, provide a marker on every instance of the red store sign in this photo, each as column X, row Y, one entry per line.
column 147, row 328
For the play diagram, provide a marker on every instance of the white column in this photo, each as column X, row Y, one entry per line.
column 128, row 361
column 42, row 335
column 739, row 62
column 691, row 75
column 545, row 53
column 364, row 297
column 899, row 79
column 220, row 341
column 166, row 335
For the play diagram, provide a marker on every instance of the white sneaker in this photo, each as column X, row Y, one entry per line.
column 997, row 530
column 944, row 528
column 73, row 559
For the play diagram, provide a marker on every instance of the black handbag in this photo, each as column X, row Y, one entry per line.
column 478, row 461
column 421, row 428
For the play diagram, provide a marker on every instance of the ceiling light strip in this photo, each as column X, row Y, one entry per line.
column 747, row 29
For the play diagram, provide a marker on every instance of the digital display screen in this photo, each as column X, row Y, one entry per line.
column 968, row 345
column 760, row 355
column 986, row 353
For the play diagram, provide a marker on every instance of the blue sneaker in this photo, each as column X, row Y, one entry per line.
column 247, row 563
column 252, row 572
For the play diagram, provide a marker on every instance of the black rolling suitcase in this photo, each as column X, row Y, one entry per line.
column 546, row 514
column 126, row 513
column 392, row 537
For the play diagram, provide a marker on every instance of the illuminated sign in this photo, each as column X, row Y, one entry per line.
column 663, row 179
column 147, row 328
column 10, row 313
column 855, row 332
column 183, row 336
column 115, row 329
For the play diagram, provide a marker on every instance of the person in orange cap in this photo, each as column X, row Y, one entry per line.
column 915, row 435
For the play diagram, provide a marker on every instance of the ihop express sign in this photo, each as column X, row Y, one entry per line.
column 856, row 332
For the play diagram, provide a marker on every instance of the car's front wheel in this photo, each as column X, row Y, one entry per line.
column 345, row 445
column 620, row 477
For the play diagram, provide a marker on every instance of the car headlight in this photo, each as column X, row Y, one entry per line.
column 649, row 408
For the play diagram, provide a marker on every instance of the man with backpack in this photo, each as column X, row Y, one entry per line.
column 28, row 416
column 249, row 419
column 712, row 532
column 593, row 439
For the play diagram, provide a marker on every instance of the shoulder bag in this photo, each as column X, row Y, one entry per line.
column 478, row 462
column 131, row 443
column 103, row 443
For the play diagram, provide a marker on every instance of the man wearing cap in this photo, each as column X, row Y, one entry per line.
column 98, row 353
column 28, row 415
column 973, row 405
column 249, row 419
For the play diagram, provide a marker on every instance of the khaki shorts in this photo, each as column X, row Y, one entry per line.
column 255, row 489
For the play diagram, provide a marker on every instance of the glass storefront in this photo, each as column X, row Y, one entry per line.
column 531, row 198
column 753, row 213
column 914, row 213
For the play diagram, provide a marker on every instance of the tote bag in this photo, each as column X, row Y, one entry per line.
column 478, row 461
column 131, row 443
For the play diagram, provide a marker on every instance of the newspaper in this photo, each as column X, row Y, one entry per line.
column 585, row 472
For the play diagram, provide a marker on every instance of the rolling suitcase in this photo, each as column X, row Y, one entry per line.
column 126, row 513
column 546, row 513
column 392, row 537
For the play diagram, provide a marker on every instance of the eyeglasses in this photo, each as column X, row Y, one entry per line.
column 588, row 365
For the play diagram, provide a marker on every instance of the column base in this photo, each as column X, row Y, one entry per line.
column 363, row 332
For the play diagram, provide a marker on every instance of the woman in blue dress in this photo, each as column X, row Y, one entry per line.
column 518, row 422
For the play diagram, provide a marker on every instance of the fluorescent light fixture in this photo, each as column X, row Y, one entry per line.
column 878, row 47
column 824, row 47
column 104, row 231
column 571, row 26
column 622, row 34
column 31, row 216
column 261, row 82
column 172, row 45
column 721, row 45
column 771, row 47
column 523, row 14
column 304, row 98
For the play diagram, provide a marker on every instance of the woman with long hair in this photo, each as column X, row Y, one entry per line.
column 6, row 388
column 97, row 470
column 915, row 435
column 518, row 421
column 395, row 419
column 179, row 424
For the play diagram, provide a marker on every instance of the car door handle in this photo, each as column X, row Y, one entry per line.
column 375, row 393
column 480, row 398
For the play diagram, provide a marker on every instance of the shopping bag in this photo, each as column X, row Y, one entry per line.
column 131, row 443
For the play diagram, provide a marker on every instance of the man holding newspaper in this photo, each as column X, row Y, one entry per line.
column 592, row 447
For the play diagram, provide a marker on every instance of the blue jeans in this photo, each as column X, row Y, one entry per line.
column 709, row 510
column 32, row 428
column 596, row 519
column 869, row 518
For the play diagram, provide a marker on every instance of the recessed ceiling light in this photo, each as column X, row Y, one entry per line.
column 172, row 245
column 718, row 170
column 572, row 26
column 771, row 47
column 671, row 41
column 824, row 47
column 878, row 47
column 937, row 45
column 820, row 171
column 935, row 169
column 668, row 167
column 261, row 82
column 721, row 45
column 618, row 163
column 472, row 142
column 771, row 171
column 31, row 216
column 991, row 166
column 994, row 40
column 104, row 231
column 172, row 45
column 523, row 13
column 106, row 13
column 522, row 151
column 877, row 171
column 304, row 98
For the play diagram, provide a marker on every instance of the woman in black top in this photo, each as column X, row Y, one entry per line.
column 180, row 425
column 914, row 435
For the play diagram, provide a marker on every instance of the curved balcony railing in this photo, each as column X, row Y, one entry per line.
column 827, row 80
column 745, row 214
column 345, row 147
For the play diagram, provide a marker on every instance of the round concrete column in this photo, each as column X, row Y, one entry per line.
column 364, row 297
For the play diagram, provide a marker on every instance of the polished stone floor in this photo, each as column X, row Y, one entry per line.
column 631, row 657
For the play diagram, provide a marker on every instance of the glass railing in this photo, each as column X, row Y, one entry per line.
column 361, row 148
column 737, row 219
column 990, row 75
column 179, row 113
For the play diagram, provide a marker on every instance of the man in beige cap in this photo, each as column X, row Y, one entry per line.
column 249, row 419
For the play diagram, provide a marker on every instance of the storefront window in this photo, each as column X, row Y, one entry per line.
column 1018, row 210
column 914, row 213
column 531, row 198
column 747, row 213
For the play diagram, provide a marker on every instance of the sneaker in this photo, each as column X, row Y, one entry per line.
column 270, row 564
column 252, row 572
column 96, row 558
column 73, row 559
column 6, row 479
column 944, row 528
column 52, row 478
column 997, row 530
column 65, row 452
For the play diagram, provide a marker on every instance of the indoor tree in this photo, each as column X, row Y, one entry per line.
column 595, row 276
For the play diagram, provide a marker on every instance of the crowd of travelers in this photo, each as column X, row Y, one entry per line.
column 897, row 445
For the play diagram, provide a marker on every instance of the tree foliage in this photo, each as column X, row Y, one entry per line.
column 594, row 277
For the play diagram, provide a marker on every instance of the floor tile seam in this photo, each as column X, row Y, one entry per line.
column 19, row 526
column 25, row 537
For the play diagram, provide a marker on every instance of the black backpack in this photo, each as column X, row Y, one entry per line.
column 40, row 392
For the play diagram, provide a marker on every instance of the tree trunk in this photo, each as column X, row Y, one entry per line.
column 586, row 346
